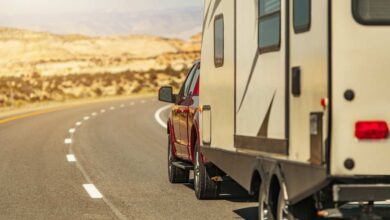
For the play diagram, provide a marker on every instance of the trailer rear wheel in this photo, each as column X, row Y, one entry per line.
column 263, row 210
column 303, row 211
column 175, row 174
column 205, row 187
column 282, row 211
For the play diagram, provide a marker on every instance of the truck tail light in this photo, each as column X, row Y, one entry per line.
column 196, row 89
column 371, row 130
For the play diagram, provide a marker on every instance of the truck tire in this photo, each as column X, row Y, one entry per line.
column 175, row 174
column 205, row 187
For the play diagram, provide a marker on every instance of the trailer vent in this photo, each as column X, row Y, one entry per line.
column 371, row 130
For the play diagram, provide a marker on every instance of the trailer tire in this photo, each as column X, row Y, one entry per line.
column 303, row 211
column 263, row 209
column 205, row 187
column 175, row 174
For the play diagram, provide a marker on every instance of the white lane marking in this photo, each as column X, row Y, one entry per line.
column 132, row 103
column 143, row 101
column 86, row 118
column 158, row 118
column 92, row 191
column 68, row 141
column 112, row 108
column 103, row 110
column 94, row 114
column 71, row 158
column 123, row 105
column 72, row 130
column 79, row 123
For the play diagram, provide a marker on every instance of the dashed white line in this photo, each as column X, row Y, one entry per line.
column 71, row 158
column 72, row 130
column 86, row 118
column 94, row 114
column 143, row 101
column 132, row 103
column 103, row 110
column 112, row 108
column 92, row 191
column 68, row 141
column 158, row 118
column 123, row 105
column 79, row 123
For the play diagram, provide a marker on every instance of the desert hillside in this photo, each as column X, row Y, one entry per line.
column 37, row 66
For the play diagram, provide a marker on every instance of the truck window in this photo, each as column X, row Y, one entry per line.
column 302, row 15
column 186, row 86
column 219, row 41
column 371, row 12
column 195, row 79
column 269, row 25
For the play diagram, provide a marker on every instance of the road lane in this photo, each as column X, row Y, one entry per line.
column 123, row 152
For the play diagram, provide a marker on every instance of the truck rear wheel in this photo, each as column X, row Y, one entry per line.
column 205, row 187
column 175, row 174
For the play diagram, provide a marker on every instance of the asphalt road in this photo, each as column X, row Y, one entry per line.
column 120, row 151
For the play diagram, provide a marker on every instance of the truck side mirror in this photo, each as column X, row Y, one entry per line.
column 165, row 94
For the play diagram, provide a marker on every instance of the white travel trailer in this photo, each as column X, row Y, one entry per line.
column 294, row 99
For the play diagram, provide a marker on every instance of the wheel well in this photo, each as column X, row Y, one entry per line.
column 255, row 183
column 273, row 196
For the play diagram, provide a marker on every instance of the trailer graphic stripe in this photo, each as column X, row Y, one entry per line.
column 268, row 145
column 205, row 19
column 249, row 79
column 216, row 4
column 263, row 132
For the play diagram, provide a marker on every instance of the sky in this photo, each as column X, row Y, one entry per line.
column 66, row 6
column 167, row 18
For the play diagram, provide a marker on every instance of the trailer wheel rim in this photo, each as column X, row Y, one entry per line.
column 283, row 212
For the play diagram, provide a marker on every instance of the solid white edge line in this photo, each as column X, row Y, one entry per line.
column 71, row 158
column 158, row 118
column 68, row 141
column 92, row 191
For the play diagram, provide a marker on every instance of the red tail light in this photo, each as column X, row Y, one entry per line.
column 371, row 130
column 196, row 89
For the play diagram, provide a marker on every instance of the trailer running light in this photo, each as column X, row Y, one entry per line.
column 371, row 130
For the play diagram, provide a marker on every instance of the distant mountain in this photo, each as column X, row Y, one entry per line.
column 24, row 52
column 40, row 66
column 180, row 23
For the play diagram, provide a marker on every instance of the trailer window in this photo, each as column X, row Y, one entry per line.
column 218, row 41
column 372, row 12
column 302, row 15
column 269, row 25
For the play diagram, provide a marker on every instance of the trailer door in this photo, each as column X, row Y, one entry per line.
column 360, row 87
column 308, row 80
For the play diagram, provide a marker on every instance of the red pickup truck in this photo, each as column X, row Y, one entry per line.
column 184, row 153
